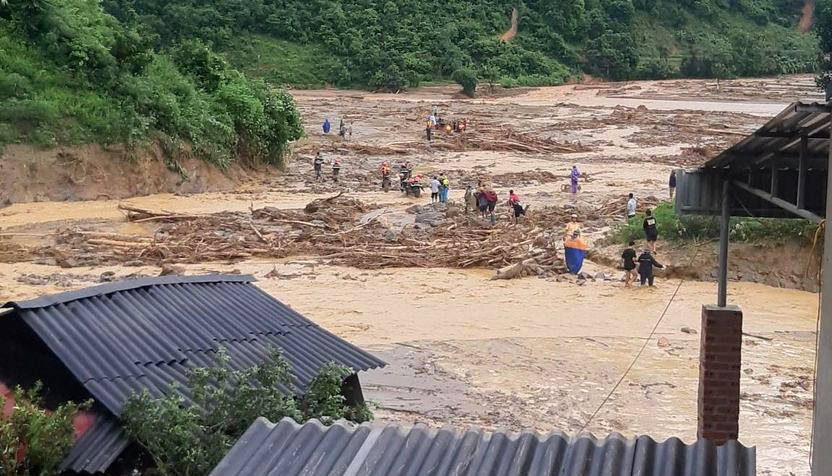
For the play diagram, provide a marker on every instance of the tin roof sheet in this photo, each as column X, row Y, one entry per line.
column 343, row 449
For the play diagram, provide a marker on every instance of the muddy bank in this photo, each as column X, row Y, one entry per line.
column 30, row 174
column 791, row 265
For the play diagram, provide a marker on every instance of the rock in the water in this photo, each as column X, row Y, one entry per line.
column 688, row 330
column 663, row 342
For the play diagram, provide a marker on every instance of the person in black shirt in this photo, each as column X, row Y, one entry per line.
column 651, row 234
column 672, row 183
column 645, row 267
column 629, row 257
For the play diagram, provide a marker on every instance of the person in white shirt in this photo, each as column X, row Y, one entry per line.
column 434, row 190
column 631, row 207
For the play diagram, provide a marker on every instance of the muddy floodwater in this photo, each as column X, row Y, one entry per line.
column 542, row 352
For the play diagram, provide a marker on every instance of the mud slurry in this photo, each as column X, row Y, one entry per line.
column 463, row 349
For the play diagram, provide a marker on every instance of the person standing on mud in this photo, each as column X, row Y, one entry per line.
column 491, row 197
column 573, row 228
column 318, row 165
column 429, row 129
column 470, row 199
column 482, row 201
column 574, row 179
column 631, row 207
column 514, row 203
column 651, row 232
column 434, row 190
column 444, row 188
column 672, row 183
column 327, row 126
column 646, row 262
column 629, row 258
column 336, row 169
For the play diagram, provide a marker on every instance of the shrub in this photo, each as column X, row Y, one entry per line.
column 467, row 78
column 34, row 441
column 185, row 437
column 703, row 228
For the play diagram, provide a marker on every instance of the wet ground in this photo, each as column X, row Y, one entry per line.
column 529, row 353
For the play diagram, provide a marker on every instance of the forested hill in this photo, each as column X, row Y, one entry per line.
column 385, row 44
column 198, row 76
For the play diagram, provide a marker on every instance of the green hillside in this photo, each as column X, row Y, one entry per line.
column 392, row 45
column 70, row 73
column 198, row 75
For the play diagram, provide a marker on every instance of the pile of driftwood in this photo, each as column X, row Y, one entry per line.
column 339, row 230
column 504, row 138
column 616, row 208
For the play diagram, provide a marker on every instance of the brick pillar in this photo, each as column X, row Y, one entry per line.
column 720, row 358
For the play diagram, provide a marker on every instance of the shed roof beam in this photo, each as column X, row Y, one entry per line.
column 788, row 206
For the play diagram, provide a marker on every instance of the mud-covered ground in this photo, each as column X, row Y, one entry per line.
column 540, row 352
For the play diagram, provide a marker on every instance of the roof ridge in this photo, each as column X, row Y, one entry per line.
column 125, row 285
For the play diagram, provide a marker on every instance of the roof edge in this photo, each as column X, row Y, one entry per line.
column 514, row 435
column 125, row 285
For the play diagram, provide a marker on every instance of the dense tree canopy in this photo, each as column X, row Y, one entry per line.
column 382, row 44
column 72, row 72
column 193, row 74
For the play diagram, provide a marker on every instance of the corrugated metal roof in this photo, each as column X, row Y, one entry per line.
column 98, row 448
column 120, row 338
column 343, row 449
column 781, row 137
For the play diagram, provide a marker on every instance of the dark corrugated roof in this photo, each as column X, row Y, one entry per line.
column 781, row 137
column 121, row 338
column 100, row 446
column 343, row 449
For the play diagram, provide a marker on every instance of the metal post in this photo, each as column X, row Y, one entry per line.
column 722, row 296
column 822, row 424
column 802, row 172
column 775, row 178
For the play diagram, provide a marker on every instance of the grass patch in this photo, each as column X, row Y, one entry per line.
column 703, row 228
column 281, row 62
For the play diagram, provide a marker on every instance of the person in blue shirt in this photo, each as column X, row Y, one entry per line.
column 327, row 126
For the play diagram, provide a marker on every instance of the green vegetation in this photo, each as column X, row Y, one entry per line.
column 185, row 438
column 391, row 45
column 72, row 73
column 187, row 74
column 703, row 228
column 823, row 28
column 34, row 441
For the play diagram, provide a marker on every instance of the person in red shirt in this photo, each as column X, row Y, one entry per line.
column 514, row 203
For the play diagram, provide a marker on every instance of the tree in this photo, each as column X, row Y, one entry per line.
column 823, row 28
column 612, row 55
column 185, row 437
column 33, row 440
column 467, row 78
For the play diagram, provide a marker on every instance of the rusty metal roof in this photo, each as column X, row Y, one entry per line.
column 121, row 338
column 343, row 449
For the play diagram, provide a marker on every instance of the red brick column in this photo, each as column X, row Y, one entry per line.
column 720, row 359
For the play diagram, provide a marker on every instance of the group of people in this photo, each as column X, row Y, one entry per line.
column 318, row 164
column 436, row 122
column 439, row 188
column 344, row 130
column 642, row 267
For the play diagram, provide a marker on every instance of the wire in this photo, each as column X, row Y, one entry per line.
column 641, row 351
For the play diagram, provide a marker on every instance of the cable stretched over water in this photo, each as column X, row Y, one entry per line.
column 641, row 351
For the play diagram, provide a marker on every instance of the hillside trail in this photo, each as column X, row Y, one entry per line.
column 536, row 353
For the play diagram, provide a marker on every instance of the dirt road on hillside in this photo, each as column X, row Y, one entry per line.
column 412, row 282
